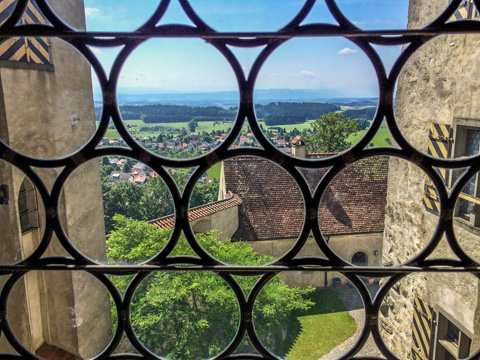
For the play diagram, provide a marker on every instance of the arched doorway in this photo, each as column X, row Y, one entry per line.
column 360, row 259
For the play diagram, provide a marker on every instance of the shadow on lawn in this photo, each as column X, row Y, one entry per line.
column 325, row 302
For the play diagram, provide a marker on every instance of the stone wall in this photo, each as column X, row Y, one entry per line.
column 438, row 84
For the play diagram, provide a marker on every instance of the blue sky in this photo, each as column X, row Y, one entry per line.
column 191, row 65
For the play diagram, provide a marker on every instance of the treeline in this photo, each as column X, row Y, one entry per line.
column 306, row 110
column 176, row 113
column 275, row 113
column 366, row 113
column 284, row 119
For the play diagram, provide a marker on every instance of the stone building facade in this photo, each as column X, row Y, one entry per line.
column 47, row 112
column 437, row 109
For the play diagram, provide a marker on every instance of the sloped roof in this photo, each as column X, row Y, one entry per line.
column 273, row 206
column 298, row 140
column 200, row 211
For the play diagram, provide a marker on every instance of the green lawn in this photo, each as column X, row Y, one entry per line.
column 214, row 171
column 379, row 139
column 323, row 327
column 299, row 127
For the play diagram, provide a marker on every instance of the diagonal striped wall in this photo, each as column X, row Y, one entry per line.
column 439, row 140
column 422, row 329
column 465, row 11
column 29, row 50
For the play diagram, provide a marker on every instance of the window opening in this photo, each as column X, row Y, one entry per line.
column 28, row 207
column 452, row 343
column 360, row 259
column 466, row 143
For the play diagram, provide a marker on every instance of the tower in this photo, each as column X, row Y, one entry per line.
column 47, row 112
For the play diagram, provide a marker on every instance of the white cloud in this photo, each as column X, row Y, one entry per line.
column 92, row 12
column 346, row 51
column 308, row 74
column 96, row 51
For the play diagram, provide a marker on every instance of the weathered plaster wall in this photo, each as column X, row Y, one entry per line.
column 70, row 311
column 439, row 83
column 225, row 221
column 343, row 245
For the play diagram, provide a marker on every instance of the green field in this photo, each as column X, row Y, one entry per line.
column 299, row 127
column 379, row 139
column 135, row 131
column 214, row 171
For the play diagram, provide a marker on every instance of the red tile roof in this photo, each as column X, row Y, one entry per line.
column 298, row 139
column 200, row 211
column 273, row 207
column 140, row 180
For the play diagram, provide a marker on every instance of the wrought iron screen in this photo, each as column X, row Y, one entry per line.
column 412, row 39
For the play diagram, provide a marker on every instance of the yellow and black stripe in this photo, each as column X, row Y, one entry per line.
column 30, row 50
column 439, row 146
column 422, row 329
column 465, row 11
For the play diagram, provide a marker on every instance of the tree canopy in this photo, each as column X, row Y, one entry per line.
column 192, row 314
column 150, row 201
column 330, row 133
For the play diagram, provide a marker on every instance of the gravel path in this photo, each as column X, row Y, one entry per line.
column 354, row 304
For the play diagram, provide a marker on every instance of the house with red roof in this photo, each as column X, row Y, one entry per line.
column 140, row 180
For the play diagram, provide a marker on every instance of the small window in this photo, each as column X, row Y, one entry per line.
column 28, row 207
column 466, row 144
column 360, row 259
column 462, row 139
column 452, row 342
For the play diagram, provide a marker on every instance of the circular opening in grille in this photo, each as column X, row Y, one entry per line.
column 120, row 229
column 259, row 211
column 301, row 97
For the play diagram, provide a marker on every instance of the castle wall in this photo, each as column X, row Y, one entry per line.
column 225, row 221
column 343, row 245
column 438, row 84
column 67, row 310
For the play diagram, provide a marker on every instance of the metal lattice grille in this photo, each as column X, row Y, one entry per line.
column 204, row 262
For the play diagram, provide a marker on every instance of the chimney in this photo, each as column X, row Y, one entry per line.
column 298, row 147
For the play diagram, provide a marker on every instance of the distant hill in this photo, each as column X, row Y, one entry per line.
column 231, row 98
column 360, row 103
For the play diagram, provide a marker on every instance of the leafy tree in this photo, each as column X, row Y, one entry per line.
column 363, row 123
column 330, row 133
column 105, row 161
column 121, row 199
column 106, row 170
column 192, row 125
column 207, row 138
column 126, row 168
column 171, row 311
column 204, row 193
column 150, row 201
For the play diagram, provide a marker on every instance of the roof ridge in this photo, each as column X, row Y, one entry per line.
column 191, row 216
